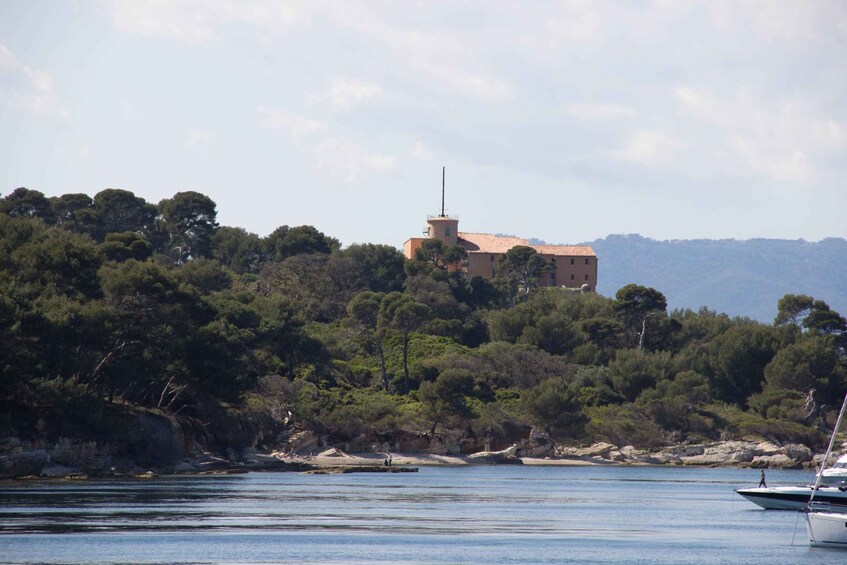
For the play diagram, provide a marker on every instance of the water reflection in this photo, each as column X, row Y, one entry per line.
column 439, row 508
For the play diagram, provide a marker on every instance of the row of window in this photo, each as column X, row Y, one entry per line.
column 573, row 261
column 573, row 278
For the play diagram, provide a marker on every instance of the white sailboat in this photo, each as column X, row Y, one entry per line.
column 827, row 528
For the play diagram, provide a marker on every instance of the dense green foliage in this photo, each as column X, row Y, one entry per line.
column 112, row 301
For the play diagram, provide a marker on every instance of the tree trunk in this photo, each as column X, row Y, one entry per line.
column 381, row 355
column 406, row 363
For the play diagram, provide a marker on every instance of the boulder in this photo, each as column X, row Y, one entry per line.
column 332, row 452
column 684, row 450
column 601, row 449
column 507, row 456
column 778, row 461
column 26, row 459
column 767, row 448
column 797, row 452
column 538, row 444
column 302, row 442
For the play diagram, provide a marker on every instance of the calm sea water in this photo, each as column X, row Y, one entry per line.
column 504, row 514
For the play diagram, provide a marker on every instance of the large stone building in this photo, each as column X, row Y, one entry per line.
column 576, row 265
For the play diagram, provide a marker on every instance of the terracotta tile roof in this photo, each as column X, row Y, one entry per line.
column 568, row 250
column 489, row 243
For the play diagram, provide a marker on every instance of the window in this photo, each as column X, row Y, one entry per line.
column 492, row 258
column 572, row 260
column 586, row 261
column 573, row 277
column 586, row 277
column 447, row 234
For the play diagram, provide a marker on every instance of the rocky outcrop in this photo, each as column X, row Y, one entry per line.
column 506, row 456
column 538, row 444
column 137, row 442
column 728, row 453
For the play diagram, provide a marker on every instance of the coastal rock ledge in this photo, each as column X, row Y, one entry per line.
column 758, row 455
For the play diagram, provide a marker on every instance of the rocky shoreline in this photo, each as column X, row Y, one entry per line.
column 78, row 460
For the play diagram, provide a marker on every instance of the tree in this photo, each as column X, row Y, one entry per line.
column 238, row 249
column 737, row 360
column 364, row 309
column 605, row 333
column 26, row 203
column 380, row 266
column 77, row 212
column 553, row 333
column 206, row 275
column 635, row 305
column 62, row 261
column 437, row 254
column 799, row 310
column 793, row 308
column 823, row 320
column 319, row 284
column 121, row 210
column 190, row 221
column 522, row 267
column 634, row 370
column 156, row 318
column 126, row 245
column 286, row 242
column 810, row 363
column 555, row 407
column 405, row 315
column 446, row 396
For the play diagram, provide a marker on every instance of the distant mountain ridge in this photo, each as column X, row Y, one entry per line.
column 736, row 277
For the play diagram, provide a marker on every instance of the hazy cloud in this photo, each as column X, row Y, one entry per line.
column 346, row 94
column 649, row 148
column 198, row 21
column 79, row 152
column 600, row 111
column 350, row 161
column 421, row 152
column 779, row 138
column 23, row 88
column 196, row 138
column 296, row 125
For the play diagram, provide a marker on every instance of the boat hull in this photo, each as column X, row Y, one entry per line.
column 792, row 498
column 827, row 529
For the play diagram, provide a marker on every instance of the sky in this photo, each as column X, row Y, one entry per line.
column 563, row 121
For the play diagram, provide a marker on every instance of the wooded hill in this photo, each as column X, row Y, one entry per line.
column 738, row 277
column 110, row 304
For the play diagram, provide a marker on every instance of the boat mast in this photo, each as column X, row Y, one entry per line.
column 442, row 192
column 828, row 450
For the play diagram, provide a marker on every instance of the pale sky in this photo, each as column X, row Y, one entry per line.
column 565, row 121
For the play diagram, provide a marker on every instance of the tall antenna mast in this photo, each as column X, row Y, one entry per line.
column 442, row 191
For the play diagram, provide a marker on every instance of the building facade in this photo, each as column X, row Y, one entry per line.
column 576, row 265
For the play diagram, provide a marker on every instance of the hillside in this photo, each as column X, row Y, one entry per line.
column 740, row 278
column 134, row 335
